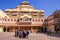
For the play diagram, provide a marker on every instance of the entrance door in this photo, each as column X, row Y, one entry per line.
column 4, row 29
column 8, row 29
column 56, row 28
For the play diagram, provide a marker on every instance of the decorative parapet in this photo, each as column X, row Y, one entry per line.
column 12, row 10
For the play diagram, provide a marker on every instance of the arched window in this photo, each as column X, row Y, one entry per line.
column 33, row 20
column 36, row 20
column 5, row 19
column 41, row 20
column 8, row 19
column 17, row 20
column 14, row 19
column 30, row 19
column 20, row 19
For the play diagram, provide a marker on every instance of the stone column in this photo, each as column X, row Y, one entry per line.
column 19, row 28
column 31, row 28
column 6, row 29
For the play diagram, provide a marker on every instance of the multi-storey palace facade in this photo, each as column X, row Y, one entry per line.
column 24, row 17
column 52, row 22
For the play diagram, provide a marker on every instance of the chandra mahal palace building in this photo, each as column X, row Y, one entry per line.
column 24, row 17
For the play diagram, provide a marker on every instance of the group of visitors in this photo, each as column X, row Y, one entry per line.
column 44, row 30
column 48, row 32
column 21, row 33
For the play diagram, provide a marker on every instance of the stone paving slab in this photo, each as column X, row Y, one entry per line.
column 32, row 36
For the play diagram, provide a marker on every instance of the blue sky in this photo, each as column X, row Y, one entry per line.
column 49, row 6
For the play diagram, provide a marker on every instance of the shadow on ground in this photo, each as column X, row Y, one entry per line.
column 55, row 34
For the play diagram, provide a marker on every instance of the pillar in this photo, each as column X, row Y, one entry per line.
column 31, row 28
column 6, row 29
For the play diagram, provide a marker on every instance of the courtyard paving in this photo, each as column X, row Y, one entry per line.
column 32, row 36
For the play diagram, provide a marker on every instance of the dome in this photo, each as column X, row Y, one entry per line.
column 25, row 3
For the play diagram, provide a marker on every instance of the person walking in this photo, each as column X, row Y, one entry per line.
column 16, row 33
column 24, row 34
column 20, row 33
column 47, row 32
column 27, row 33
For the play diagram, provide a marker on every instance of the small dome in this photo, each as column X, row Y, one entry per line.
column 25, row 3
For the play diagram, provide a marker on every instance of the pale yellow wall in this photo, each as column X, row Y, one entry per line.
column 51, row 27
column 1, row 29
column 26, row 8
column 3, row 15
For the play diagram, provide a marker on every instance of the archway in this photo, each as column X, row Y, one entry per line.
column 8, row 29
column 4, row 29
column 56, row 28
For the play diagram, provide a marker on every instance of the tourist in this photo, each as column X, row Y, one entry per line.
column 20, row 33
column 24, row 34
column 50, row 32
column 16, row 33
column 47, row 32
column 27, row 33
